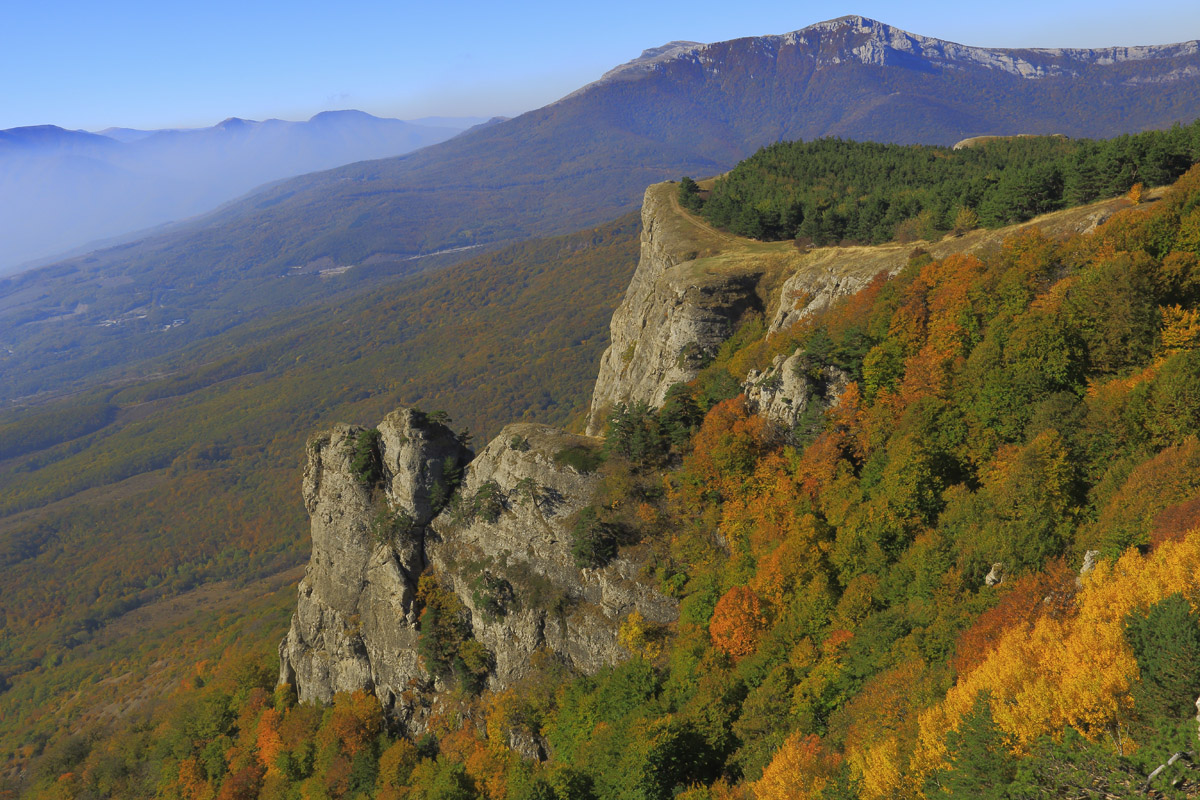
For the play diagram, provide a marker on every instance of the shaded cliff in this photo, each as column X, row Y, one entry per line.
column 685, row 299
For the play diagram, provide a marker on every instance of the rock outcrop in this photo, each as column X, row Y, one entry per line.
column 679, row 308
column 355, row 624
column 811, row 290
column 788, row 391
column 526, row 543
column 502, row 546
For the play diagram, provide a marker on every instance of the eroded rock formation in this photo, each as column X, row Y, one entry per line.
column 502, row 546
column 791, row 391
column 355, row 622
column 526, row 543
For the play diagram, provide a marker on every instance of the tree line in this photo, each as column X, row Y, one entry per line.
column 832, row 191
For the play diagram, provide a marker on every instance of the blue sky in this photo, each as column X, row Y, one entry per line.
column 162, row 64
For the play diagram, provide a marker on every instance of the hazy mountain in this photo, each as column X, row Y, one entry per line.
column 459, row 123
column 46, row 139
column 60, row 189
column 684, row 108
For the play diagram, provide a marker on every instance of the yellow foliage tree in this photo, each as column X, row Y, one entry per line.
column 1181, row 328
column 640, row 636
column 799, row 770
column 1072, row 670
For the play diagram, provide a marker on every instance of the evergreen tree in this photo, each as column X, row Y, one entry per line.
column 1166, row 642
column 689, row 194
column 982, row 767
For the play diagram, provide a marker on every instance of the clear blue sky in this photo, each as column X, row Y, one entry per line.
column 159, row 64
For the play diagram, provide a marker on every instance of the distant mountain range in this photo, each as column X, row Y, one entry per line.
column 137, row 134
column 60, row 189
column 684, row 108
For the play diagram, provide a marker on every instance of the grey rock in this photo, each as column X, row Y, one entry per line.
column 782, row 393
column 574, row 613
column 1090, row 559
column 354, row 626
column 817, row 290
column 996, row 576
column 674, row 316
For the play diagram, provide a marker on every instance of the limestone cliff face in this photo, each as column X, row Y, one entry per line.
column 549, row 603
column 502, row 546
column 354, row 626
column 678, row 309
column 788, row 392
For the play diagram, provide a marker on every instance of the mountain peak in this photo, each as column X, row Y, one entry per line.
column 646, row 61
column 232, row 124
column 853, row 20
column 50, row 136
column 872, row 42
column 342, row 115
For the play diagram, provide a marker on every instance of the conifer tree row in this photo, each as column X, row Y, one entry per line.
column 831, row 191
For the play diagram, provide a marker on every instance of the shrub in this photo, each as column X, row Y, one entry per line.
column 593, row 541
column 366, row 461
column 388, row 526
column 488, row 502
column 579, row 457
column 443, row 490
column 445, row 640
column 492, row 595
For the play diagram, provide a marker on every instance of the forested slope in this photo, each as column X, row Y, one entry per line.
column 839, row 634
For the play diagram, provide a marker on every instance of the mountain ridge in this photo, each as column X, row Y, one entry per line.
column 881, row 37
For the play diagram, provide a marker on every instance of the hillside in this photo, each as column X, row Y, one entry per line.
column 688, row 109
column 972, row 573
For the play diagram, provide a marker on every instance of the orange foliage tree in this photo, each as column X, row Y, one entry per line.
column 355, row 721
column 737, row 622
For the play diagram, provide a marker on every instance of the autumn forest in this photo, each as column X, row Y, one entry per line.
column 974, row 575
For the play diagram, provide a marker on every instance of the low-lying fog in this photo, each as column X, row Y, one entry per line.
column 61, row 190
